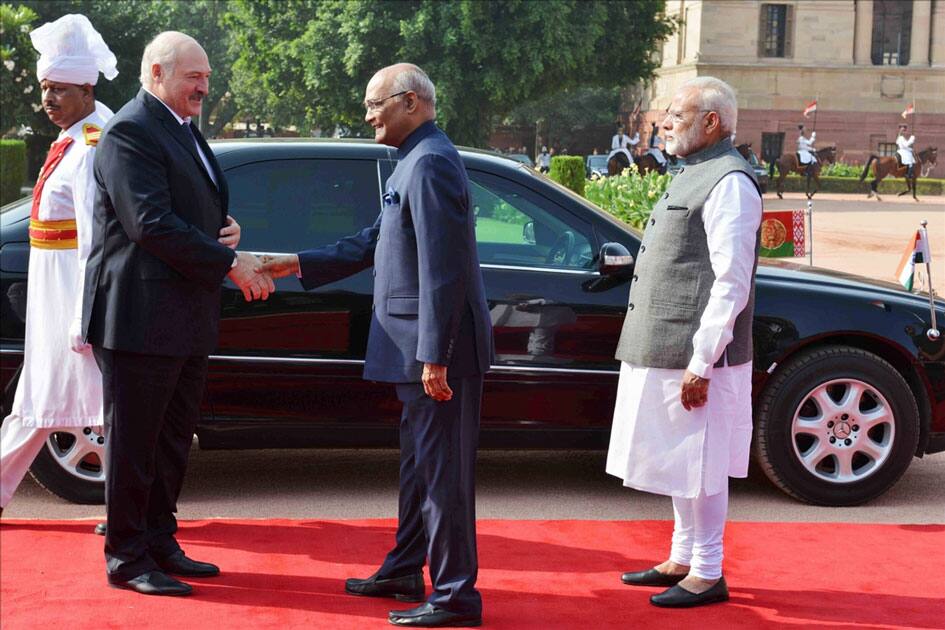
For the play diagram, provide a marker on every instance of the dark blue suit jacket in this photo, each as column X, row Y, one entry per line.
column 429, row 300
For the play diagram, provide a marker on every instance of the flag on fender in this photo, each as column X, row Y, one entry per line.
column 917, row 252
column 811, row 108
column 783, row 234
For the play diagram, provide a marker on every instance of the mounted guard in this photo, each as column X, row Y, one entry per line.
column 806, row 155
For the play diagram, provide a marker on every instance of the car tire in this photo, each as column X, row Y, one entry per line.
column 71, row 465
column 836, row 426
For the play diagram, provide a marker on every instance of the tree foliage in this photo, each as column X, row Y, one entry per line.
column 18, row 70
column 311, row 59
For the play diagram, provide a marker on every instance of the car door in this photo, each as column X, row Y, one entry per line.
column 555, row 329
column 297, row 358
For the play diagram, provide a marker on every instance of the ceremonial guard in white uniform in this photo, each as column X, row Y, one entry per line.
column 805, row 147
column 58, row 387
column 621, row 143
column 904, row 151
column 682, row 420
column 656, row 147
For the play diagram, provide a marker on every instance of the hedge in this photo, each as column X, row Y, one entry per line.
column 12, row 169
column 796, row 183
column 568, row 170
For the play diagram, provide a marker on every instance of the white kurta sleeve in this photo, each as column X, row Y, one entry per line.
column 635, row 140
column 83, row 196
column 731, row 215
column 615, row 142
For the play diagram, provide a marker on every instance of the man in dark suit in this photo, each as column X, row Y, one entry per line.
column 431, row 336
column 151, row 306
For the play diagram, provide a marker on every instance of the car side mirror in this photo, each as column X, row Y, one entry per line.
column 528, row 233
column 614, row 260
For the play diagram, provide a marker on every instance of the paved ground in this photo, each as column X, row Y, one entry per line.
column 850, row 234
column 866, row 237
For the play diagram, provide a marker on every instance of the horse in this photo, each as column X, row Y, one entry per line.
column 889, row 166
column 788, row 163
column 645, row 163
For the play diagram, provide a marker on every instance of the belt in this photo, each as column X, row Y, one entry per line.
column 53, row 234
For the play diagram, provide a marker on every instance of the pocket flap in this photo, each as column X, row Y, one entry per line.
column 403, row 305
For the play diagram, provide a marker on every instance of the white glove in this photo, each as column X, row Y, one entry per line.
column 75, row 337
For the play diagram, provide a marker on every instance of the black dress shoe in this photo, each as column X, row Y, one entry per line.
column 427, row 615
column 100, row 529
column 179, row 564
column 651, row 577
column 153, row 583
column 678, row 597
column 408, row 588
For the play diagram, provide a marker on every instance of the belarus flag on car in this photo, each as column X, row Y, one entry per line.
column 811, row 107
column 916, row 252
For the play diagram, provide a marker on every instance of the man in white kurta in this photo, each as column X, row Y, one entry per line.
column 905, row 152
column 622, row 143
column 59, row 388
column 684, row 430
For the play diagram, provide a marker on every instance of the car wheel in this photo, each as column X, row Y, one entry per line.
column 71, row 465
column 836, row 426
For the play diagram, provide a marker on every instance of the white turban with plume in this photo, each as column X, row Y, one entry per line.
column 72, row 51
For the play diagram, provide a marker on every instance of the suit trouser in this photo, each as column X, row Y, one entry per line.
column 151, row 408
column 19, row 446
column 437, row 505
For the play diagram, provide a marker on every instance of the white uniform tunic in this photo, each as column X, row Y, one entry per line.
column 905, row 150
column 59, row 387
column 655, row 444
column 657, row 150
column 805, row 147
column 619, row 144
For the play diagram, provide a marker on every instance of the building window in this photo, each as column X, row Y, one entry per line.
column 887, row 148
column 775, row 35
column 892, row 32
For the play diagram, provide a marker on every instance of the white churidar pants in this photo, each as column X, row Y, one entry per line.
column 19, row 446
column 697, row 533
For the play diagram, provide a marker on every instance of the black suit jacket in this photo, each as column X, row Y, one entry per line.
column 155, row 270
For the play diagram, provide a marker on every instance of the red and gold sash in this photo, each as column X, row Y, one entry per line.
column 53, row 234
column 56, row 152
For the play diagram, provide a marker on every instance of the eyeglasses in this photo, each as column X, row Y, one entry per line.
column 678, row 116
column 375, row 104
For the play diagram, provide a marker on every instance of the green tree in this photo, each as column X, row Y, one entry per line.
column 312, row 59
column 568, row 117
column 18, row 72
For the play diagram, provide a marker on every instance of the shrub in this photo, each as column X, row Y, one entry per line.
column 629, row 196
column 926, row 186
column 568, row 170
column 12, row 169
column 841, row 169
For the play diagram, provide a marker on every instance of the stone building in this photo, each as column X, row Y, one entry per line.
column 864, row 61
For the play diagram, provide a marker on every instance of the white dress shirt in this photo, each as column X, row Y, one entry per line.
column 181, row 121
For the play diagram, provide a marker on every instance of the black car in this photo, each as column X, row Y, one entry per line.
column 848, row 387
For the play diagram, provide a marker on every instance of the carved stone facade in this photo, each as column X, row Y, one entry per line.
column 781, row 54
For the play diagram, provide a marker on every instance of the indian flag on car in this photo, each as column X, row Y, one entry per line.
column 916, row 252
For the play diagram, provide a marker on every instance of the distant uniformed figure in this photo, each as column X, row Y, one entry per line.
column 805, row 147
column 544, row 160
column 58, row 387
column 656, row 148
column 621, row 143
column 906, row 156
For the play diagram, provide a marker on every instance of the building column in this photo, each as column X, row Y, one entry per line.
column 921, row 32
column 938, row 38
column 863, row 33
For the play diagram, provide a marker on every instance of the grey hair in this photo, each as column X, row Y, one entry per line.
column 413, row 79
column 718, row 96
column 162, row 50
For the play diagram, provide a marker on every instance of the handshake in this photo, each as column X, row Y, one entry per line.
column 254, row 274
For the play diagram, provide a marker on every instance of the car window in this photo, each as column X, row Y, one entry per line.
column 515, row 226
column 289, row 205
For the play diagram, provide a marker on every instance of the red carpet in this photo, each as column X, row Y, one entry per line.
column 534, row 574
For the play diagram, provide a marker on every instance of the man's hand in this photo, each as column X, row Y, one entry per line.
column 230, row 233
column 75, row 337
column 278, row 266
column 434, row 382
column 254, row 285
column 694, row 391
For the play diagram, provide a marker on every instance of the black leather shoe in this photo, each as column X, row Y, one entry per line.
column 408, row 588
column 153, row 583
column 678, row 597
column 179, row 564
column 651, row 577
column 100, row 529
column 427, row 615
